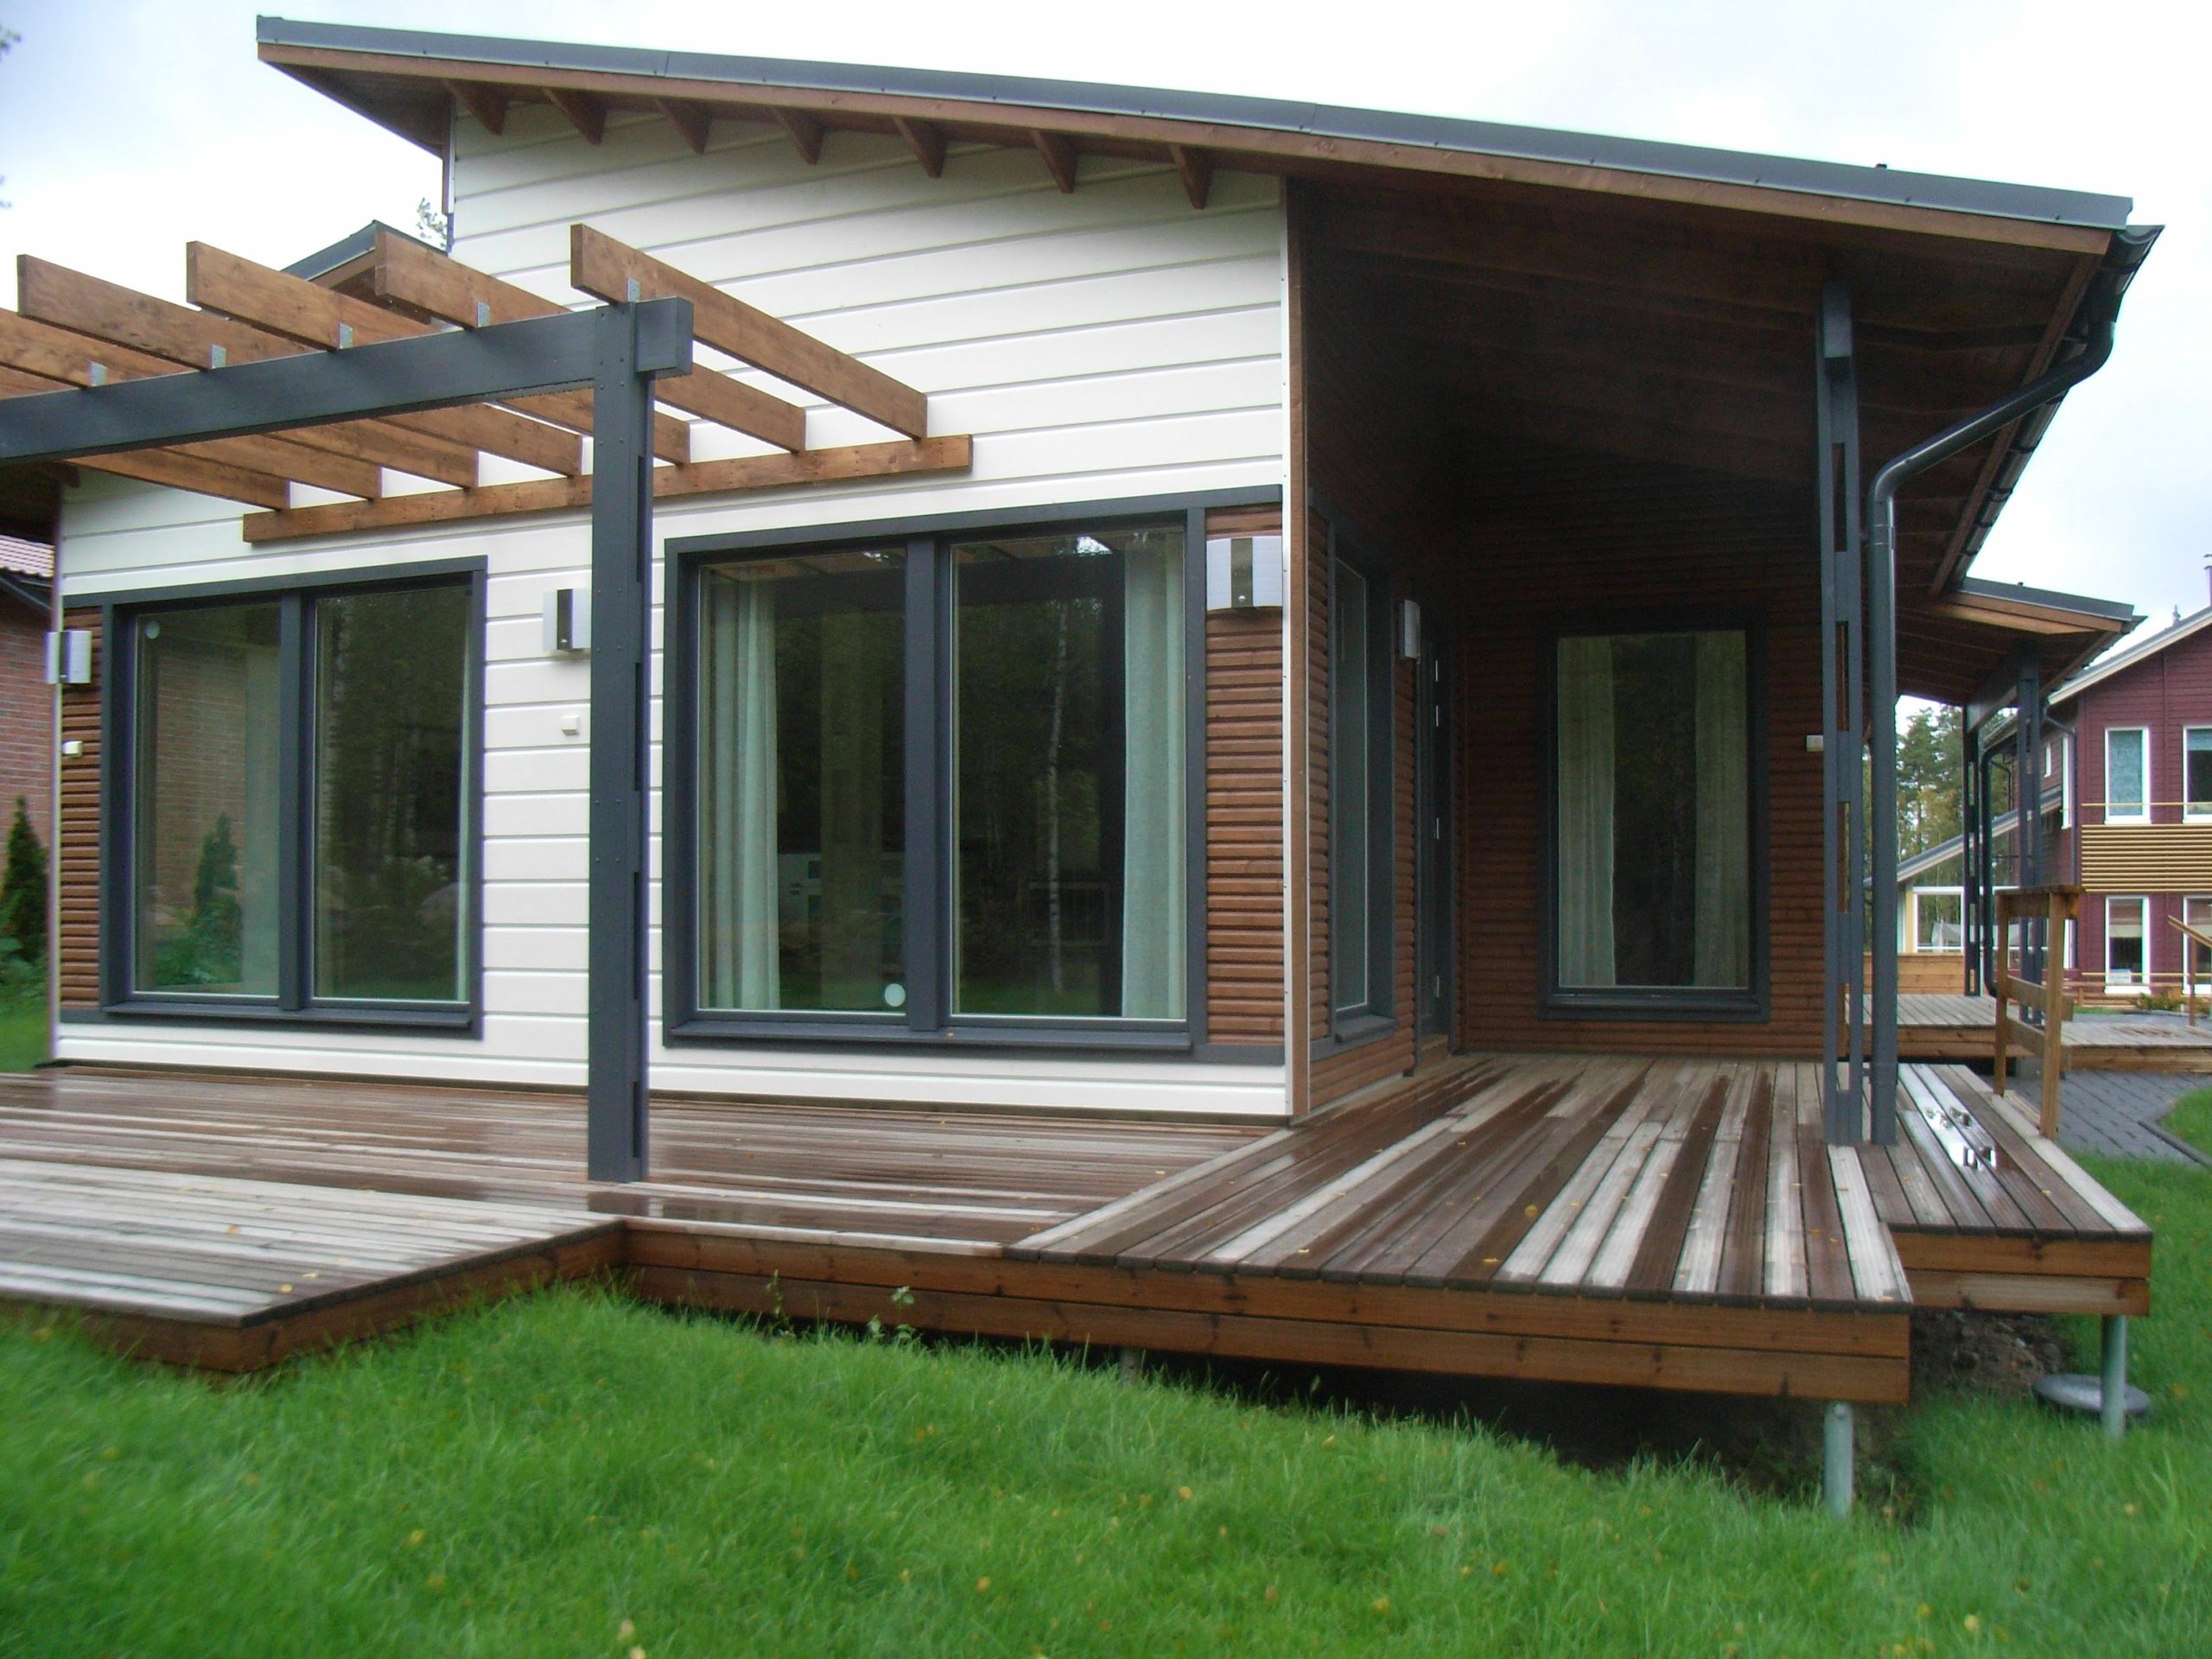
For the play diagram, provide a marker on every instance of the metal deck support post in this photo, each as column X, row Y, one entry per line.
column 1130, row 1364
column 621, row 557
column 1838, row 1446
column 2113, row 1401
column 1973, row 852
column 1843, row 714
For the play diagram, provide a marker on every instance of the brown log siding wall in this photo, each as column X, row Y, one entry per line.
column 77, row 849
column 1244, row 803
column 1629, row 540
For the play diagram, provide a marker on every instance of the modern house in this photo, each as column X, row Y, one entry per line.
column 2133, row 756
column 1097, row 536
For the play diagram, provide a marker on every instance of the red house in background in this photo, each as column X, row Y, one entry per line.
column 2137, row 830
column 25, row 699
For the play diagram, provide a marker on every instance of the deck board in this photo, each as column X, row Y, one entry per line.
column 1954, row 1026
column 1677, row 1223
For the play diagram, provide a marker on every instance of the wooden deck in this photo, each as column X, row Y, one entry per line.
column 1665, row 1223
column 1953, row 1028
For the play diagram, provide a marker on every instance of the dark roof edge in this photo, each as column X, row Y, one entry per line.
column 353, row 245
column 2108, row 610
column 2127, row 657
column 1873, row 184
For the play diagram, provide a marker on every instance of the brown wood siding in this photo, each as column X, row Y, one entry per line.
column 77, row 847
column 1623, row 541
column 1317, row 785
column 1244, row 810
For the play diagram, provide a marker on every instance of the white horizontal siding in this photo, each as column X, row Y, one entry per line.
column 1106, row 344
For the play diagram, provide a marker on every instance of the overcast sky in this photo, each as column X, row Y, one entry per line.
column 130, row 127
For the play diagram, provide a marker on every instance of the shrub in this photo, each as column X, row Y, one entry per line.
column 22, row 888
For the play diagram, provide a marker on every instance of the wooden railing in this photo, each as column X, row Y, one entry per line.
column 2054, row 905
column 2191, row 937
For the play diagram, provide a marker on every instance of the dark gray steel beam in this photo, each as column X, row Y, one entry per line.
column 467, row 365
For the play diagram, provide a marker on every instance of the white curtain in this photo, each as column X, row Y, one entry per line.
column 1155, row 963
column 737, row 806
column 1722, row 935
column 1586, row 813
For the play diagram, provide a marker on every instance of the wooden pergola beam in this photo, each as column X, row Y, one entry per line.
column 1059, row 153
column 105, row 311
column 56, row 356
column 694, row 123
column 600, row 266
column 563, row 494
column 488, row 103
column 926, row 140
column 586, row 112
column 804, row 130
column 410, row 274
column 1195, row 168
column 317, row 316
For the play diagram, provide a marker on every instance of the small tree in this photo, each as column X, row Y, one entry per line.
column 22, row 888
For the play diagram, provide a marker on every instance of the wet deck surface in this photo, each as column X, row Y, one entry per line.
column 1676, row 1223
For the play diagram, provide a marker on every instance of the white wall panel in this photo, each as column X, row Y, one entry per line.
column 1113, row 343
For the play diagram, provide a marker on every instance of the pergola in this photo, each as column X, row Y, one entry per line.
column 266, row 383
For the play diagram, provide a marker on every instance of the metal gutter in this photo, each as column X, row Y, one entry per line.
column 1867, row 184
column 2108, row 610
column 2089, row 346
column 2131, row 247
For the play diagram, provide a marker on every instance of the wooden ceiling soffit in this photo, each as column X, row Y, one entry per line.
column 804, row 130
column 422, row 279
column 60, row 358
column 1059, row 153
column 926, row 140
column 694, row 123
column 586, row 112
column 1637, row 438
column 1249, row 149
column 944, row 454
column 600, row 266
column 1195, row 168
column 488, row 103
column 167, row 466
column 105, row 311
column 315, row 316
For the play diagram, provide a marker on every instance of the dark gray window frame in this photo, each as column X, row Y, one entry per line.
column 1750, row 1006
column 927, row 1020
column 1377, row 1014
column 294, row 1004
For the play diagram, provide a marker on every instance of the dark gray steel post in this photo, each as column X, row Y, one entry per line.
column 621, row 557
column 1971, row 850
column 1842, row 720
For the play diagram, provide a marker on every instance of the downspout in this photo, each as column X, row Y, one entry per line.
column 2092, row 342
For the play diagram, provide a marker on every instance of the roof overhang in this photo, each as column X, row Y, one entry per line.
column 1952, row 644
column 410, row 83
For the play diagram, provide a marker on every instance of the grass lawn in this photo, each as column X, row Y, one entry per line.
column 22, row 1032
column 572, row 1474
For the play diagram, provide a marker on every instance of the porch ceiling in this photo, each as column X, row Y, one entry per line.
column 1562, row 331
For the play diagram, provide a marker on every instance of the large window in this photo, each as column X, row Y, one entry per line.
column 2197, row 773
column 801, row 798
column 1654, row 895
column 2126, row 943
column 937, row 785
column 2128, row 775
column 299, row 802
